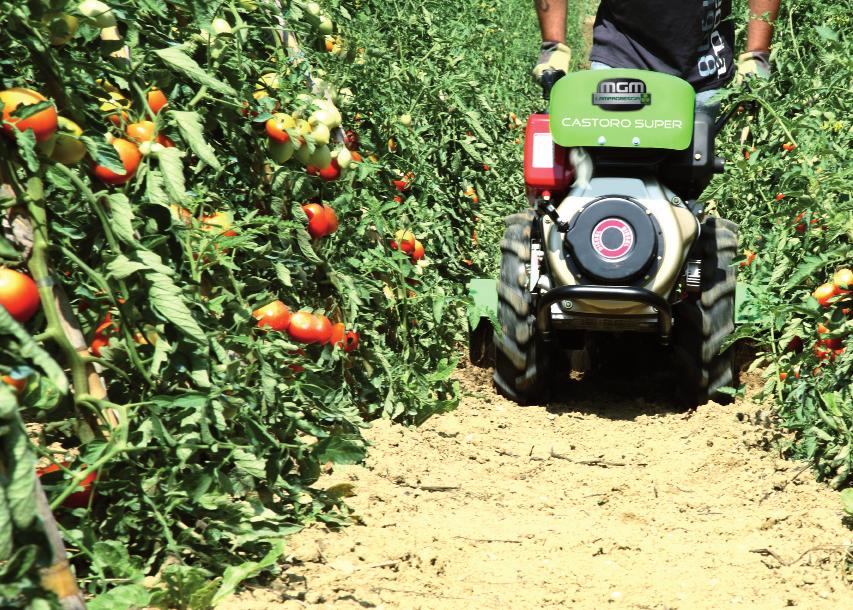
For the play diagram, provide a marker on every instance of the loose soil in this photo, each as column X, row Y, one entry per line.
column 607, row 500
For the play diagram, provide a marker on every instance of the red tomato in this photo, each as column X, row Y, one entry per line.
column 43, row 123
column 318, row 222
column 303, row 327
column 824, row 293
column 350, row 341
column 780, row 196
column 156, row 100
column 18, row 383
column 351, row 139
column 77, row 499
column 165, row 141
column 331, row 172
column 338, row 334
column 331, row 220
column 274, row 315
column 418, row 251
column 143, row 131
column 788, row 146
column 323, row 329
column 18, row 294
column 130, row 157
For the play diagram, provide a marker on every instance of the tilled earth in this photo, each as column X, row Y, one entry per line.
column 608, row 500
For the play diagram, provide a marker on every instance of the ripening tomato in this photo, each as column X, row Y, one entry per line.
column 130, row 157
column 156, row 100
column 18, row 294
column 406, row 241
column 143, row 131
column 783, row 376
column 322, row 328
column 78, row 499
column 788, row 146
column 274, row 315
column 303, row 327
column 318, row 222
column 750, row 256
column 43, row 123
column 278, row 125
column 219, row 221
column 331, row 220
column 67, row 148
column 824, row 293
column 418, row 251
column 356, row 157
column 843, row 281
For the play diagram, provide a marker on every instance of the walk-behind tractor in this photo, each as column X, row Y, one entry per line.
column 614, row 241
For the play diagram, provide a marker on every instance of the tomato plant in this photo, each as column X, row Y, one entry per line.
column 791, row 196
column 175, row 242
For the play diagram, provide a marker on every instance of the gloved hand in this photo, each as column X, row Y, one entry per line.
column 752, row 64
column 552, row 56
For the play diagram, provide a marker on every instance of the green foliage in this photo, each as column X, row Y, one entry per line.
column 788, row 185
column 223, row 428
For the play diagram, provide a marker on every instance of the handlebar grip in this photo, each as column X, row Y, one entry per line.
column 548, row 79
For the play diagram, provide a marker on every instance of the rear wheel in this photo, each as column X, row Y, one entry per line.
column 704, row 321
column 521, row 357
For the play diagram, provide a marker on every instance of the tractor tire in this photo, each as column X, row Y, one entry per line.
column 703, row 321
column 521, row 356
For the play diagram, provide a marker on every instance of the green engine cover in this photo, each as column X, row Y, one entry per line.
column 622, row 109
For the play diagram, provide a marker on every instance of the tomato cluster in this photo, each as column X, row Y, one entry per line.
column 305, row 327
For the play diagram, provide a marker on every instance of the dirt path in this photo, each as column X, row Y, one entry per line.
column 610, row 501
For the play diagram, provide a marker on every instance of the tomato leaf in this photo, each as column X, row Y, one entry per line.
column 20, row 466
column 189, row 124
column 342, row 449
column 121, row 267
column 186, row 65
column 172, row 169
column 234, row 575
column 26, row 143
column 121, row 213
column 155, row 188
column 122, row 597
column 166, row 300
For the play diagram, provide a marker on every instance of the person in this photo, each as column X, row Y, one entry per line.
column 691, row 39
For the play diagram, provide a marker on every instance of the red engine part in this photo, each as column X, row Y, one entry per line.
column 546, row 165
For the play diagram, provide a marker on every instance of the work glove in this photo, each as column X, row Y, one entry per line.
column 752, row 64
column 553, row 56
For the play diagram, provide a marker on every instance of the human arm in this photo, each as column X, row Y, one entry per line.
column 554, row 55
column 552, row 19
column 755, row 60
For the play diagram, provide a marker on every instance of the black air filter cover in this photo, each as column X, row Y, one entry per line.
column 613, row 240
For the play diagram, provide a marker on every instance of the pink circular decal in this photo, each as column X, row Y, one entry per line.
column 614, row 227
